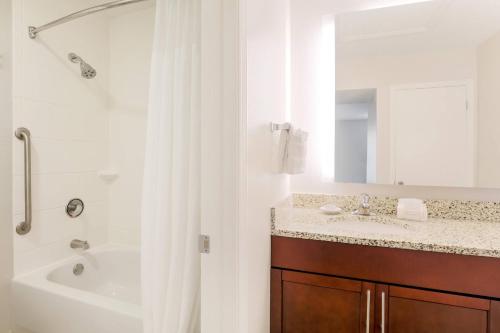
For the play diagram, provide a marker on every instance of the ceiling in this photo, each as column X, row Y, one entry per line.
column 435, row 24
column 355, row 96
column 387, row 22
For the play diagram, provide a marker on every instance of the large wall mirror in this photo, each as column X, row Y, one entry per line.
column 418, row 94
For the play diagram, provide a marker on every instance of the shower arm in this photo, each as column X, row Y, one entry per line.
column 33, row 31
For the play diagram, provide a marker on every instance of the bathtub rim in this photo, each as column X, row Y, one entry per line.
column 38, row 279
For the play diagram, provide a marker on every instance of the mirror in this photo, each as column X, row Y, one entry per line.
column 418, row 94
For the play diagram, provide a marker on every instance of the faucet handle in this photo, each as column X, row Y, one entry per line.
column 364, row 205
column 365, row 200
column 79, row 244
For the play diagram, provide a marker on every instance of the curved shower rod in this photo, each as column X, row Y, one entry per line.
column 33, row 31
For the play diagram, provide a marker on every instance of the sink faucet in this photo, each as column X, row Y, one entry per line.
column 364, row 205
column 79, row 244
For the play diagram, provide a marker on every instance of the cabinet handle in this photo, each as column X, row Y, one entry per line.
column 382, row 320
column 368, row 301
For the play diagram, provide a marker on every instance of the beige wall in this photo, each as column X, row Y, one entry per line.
column 488, row 64
column 5, row 163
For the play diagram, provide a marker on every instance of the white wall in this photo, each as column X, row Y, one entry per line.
column 266, row 31
column 305, row 40
column 488, row 112
column 68, row 119
column 371, row 158
column 5, row 163
column 128, row 85
column 351, row 150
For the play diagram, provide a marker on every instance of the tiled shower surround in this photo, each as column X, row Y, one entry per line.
column 80, row 128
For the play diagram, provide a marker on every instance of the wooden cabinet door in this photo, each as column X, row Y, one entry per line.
column 419, row 311
column 320, row 304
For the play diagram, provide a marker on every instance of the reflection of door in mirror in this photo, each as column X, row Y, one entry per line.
column 432, row 135
column 355, row 135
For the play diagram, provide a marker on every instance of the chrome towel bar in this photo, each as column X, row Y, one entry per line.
column 24, row 134
column 280, row 127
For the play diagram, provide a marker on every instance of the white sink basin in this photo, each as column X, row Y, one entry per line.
column 370, row 227
column 370, row 224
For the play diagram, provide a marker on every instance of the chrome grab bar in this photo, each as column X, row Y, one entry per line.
column 24, row 134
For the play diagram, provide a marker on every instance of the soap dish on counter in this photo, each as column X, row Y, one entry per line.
column 330, row 209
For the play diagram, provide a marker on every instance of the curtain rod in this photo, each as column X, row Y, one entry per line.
column 33, row 31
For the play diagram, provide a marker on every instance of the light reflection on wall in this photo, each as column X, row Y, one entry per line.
column 326, row 106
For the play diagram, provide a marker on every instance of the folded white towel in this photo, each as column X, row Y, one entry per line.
column 412, row 209
column 281, row 153
column 411, row 202
column 296, row 152
column 292, row 152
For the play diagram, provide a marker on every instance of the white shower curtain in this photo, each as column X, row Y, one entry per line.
column 171, row 190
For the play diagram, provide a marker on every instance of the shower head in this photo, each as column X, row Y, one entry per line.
column 88, row 71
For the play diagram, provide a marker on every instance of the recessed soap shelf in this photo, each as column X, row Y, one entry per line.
column 108, row 175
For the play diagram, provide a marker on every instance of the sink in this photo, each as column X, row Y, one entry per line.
column 370, row 224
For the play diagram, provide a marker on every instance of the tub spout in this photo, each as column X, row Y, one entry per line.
column 79, row 244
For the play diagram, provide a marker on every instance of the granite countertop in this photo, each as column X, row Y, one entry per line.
column 456, row 236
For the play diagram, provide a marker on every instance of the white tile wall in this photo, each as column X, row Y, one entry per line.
column 5, row 164
column 68, row 119
column 129, row 81
column 80, row 127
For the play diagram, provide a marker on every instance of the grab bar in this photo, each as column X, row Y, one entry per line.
column 24, row 134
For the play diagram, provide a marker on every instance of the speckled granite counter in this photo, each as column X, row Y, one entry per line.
column 477, row 233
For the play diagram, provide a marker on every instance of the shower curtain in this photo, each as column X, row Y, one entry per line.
column 171, row 191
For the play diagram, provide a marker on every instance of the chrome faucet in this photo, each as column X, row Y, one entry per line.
column 79, row 244
column 364, row 206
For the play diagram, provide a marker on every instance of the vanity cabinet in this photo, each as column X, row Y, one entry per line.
column 316, row 303
column 321, row 287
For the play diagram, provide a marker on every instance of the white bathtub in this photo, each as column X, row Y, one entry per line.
column 105, row 298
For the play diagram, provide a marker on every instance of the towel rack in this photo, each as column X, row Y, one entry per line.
column 280, row 127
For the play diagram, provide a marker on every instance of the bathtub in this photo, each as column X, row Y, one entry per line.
column 104, row 298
